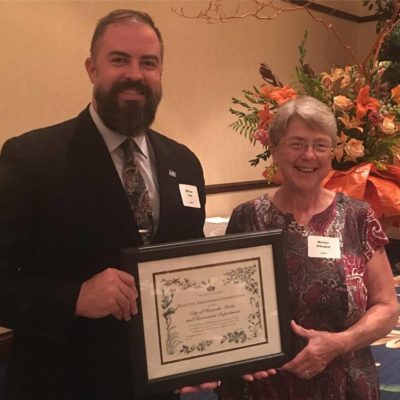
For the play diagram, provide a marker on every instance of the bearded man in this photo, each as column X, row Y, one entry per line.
column 71, row 197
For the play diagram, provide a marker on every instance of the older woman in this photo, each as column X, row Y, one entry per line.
column 341, row 301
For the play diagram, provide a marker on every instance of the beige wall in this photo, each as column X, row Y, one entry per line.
column 44, row 44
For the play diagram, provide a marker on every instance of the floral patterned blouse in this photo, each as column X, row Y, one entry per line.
column 325, row 294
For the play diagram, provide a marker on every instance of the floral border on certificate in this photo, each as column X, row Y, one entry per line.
column 235, row 276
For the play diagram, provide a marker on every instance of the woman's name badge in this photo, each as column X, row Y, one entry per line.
column 323, row 247
column 190, row 196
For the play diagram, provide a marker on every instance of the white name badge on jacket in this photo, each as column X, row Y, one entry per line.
column 190, row 196
column 323, row 247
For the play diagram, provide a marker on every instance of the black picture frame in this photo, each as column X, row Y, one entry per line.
column 216, row 262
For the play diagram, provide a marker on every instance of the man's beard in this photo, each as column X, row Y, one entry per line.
column 128, row 118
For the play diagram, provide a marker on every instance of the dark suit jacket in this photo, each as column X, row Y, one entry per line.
column 64, row 217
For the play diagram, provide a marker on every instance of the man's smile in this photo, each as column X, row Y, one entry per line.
column 131, row 94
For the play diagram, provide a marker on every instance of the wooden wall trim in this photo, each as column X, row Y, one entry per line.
column 333, row 11
column 237, row 186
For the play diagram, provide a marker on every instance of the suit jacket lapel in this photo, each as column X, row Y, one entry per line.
column 90, row 156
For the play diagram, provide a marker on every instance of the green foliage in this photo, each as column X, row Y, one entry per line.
column 262, row 156
column 309, row 84
column 247, row 122
column 391, row 47
column 312, row 86
column 302, row 47
column 383, row 9
column 245, row 127
column 390, row 50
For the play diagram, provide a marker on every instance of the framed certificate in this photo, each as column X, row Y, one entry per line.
column 208, row 309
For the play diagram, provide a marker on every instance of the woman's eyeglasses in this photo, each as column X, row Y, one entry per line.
column 300, row 146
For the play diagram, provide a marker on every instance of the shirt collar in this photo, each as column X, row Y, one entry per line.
column 114, row 139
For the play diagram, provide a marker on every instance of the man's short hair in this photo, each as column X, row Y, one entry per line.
column 123, row 15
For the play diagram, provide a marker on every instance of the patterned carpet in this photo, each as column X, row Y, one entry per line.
column 387, row 356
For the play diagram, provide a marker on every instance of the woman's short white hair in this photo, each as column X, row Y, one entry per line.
column 313, row 112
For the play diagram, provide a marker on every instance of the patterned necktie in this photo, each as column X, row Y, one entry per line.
column 137, row 192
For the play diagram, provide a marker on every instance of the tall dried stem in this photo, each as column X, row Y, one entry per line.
column 215, row 12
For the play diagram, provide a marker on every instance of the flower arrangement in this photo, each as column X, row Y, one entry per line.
column 367, row 113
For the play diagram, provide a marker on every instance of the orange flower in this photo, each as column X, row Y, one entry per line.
column 338, row 151
column 338, row 73
column 345, row 83
column 365, row 103
column 282, row 95
column 396, row 94
column 266, row 90
column 351, row 123
column 264, row 117
column 326, row 80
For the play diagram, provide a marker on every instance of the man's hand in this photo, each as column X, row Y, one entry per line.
column 110, row 292
column 199, row 388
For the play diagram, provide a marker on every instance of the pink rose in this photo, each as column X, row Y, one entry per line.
column 262, row 136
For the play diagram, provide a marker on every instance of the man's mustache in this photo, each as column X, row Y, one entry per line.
column 131, row 84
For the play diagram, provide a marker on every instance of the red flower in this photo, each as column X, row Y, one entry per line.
column 265, row 117
column 365, row 103
column 374, row 117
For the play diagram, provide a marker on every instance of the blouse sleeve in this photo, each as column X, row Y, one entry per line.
column 372, row 234
column 234, row 223
column 243, row 219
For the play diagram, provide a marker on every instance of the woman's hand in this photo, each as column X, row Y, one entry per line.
column 258, row 375
column 379, row 319
column 321, row 349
